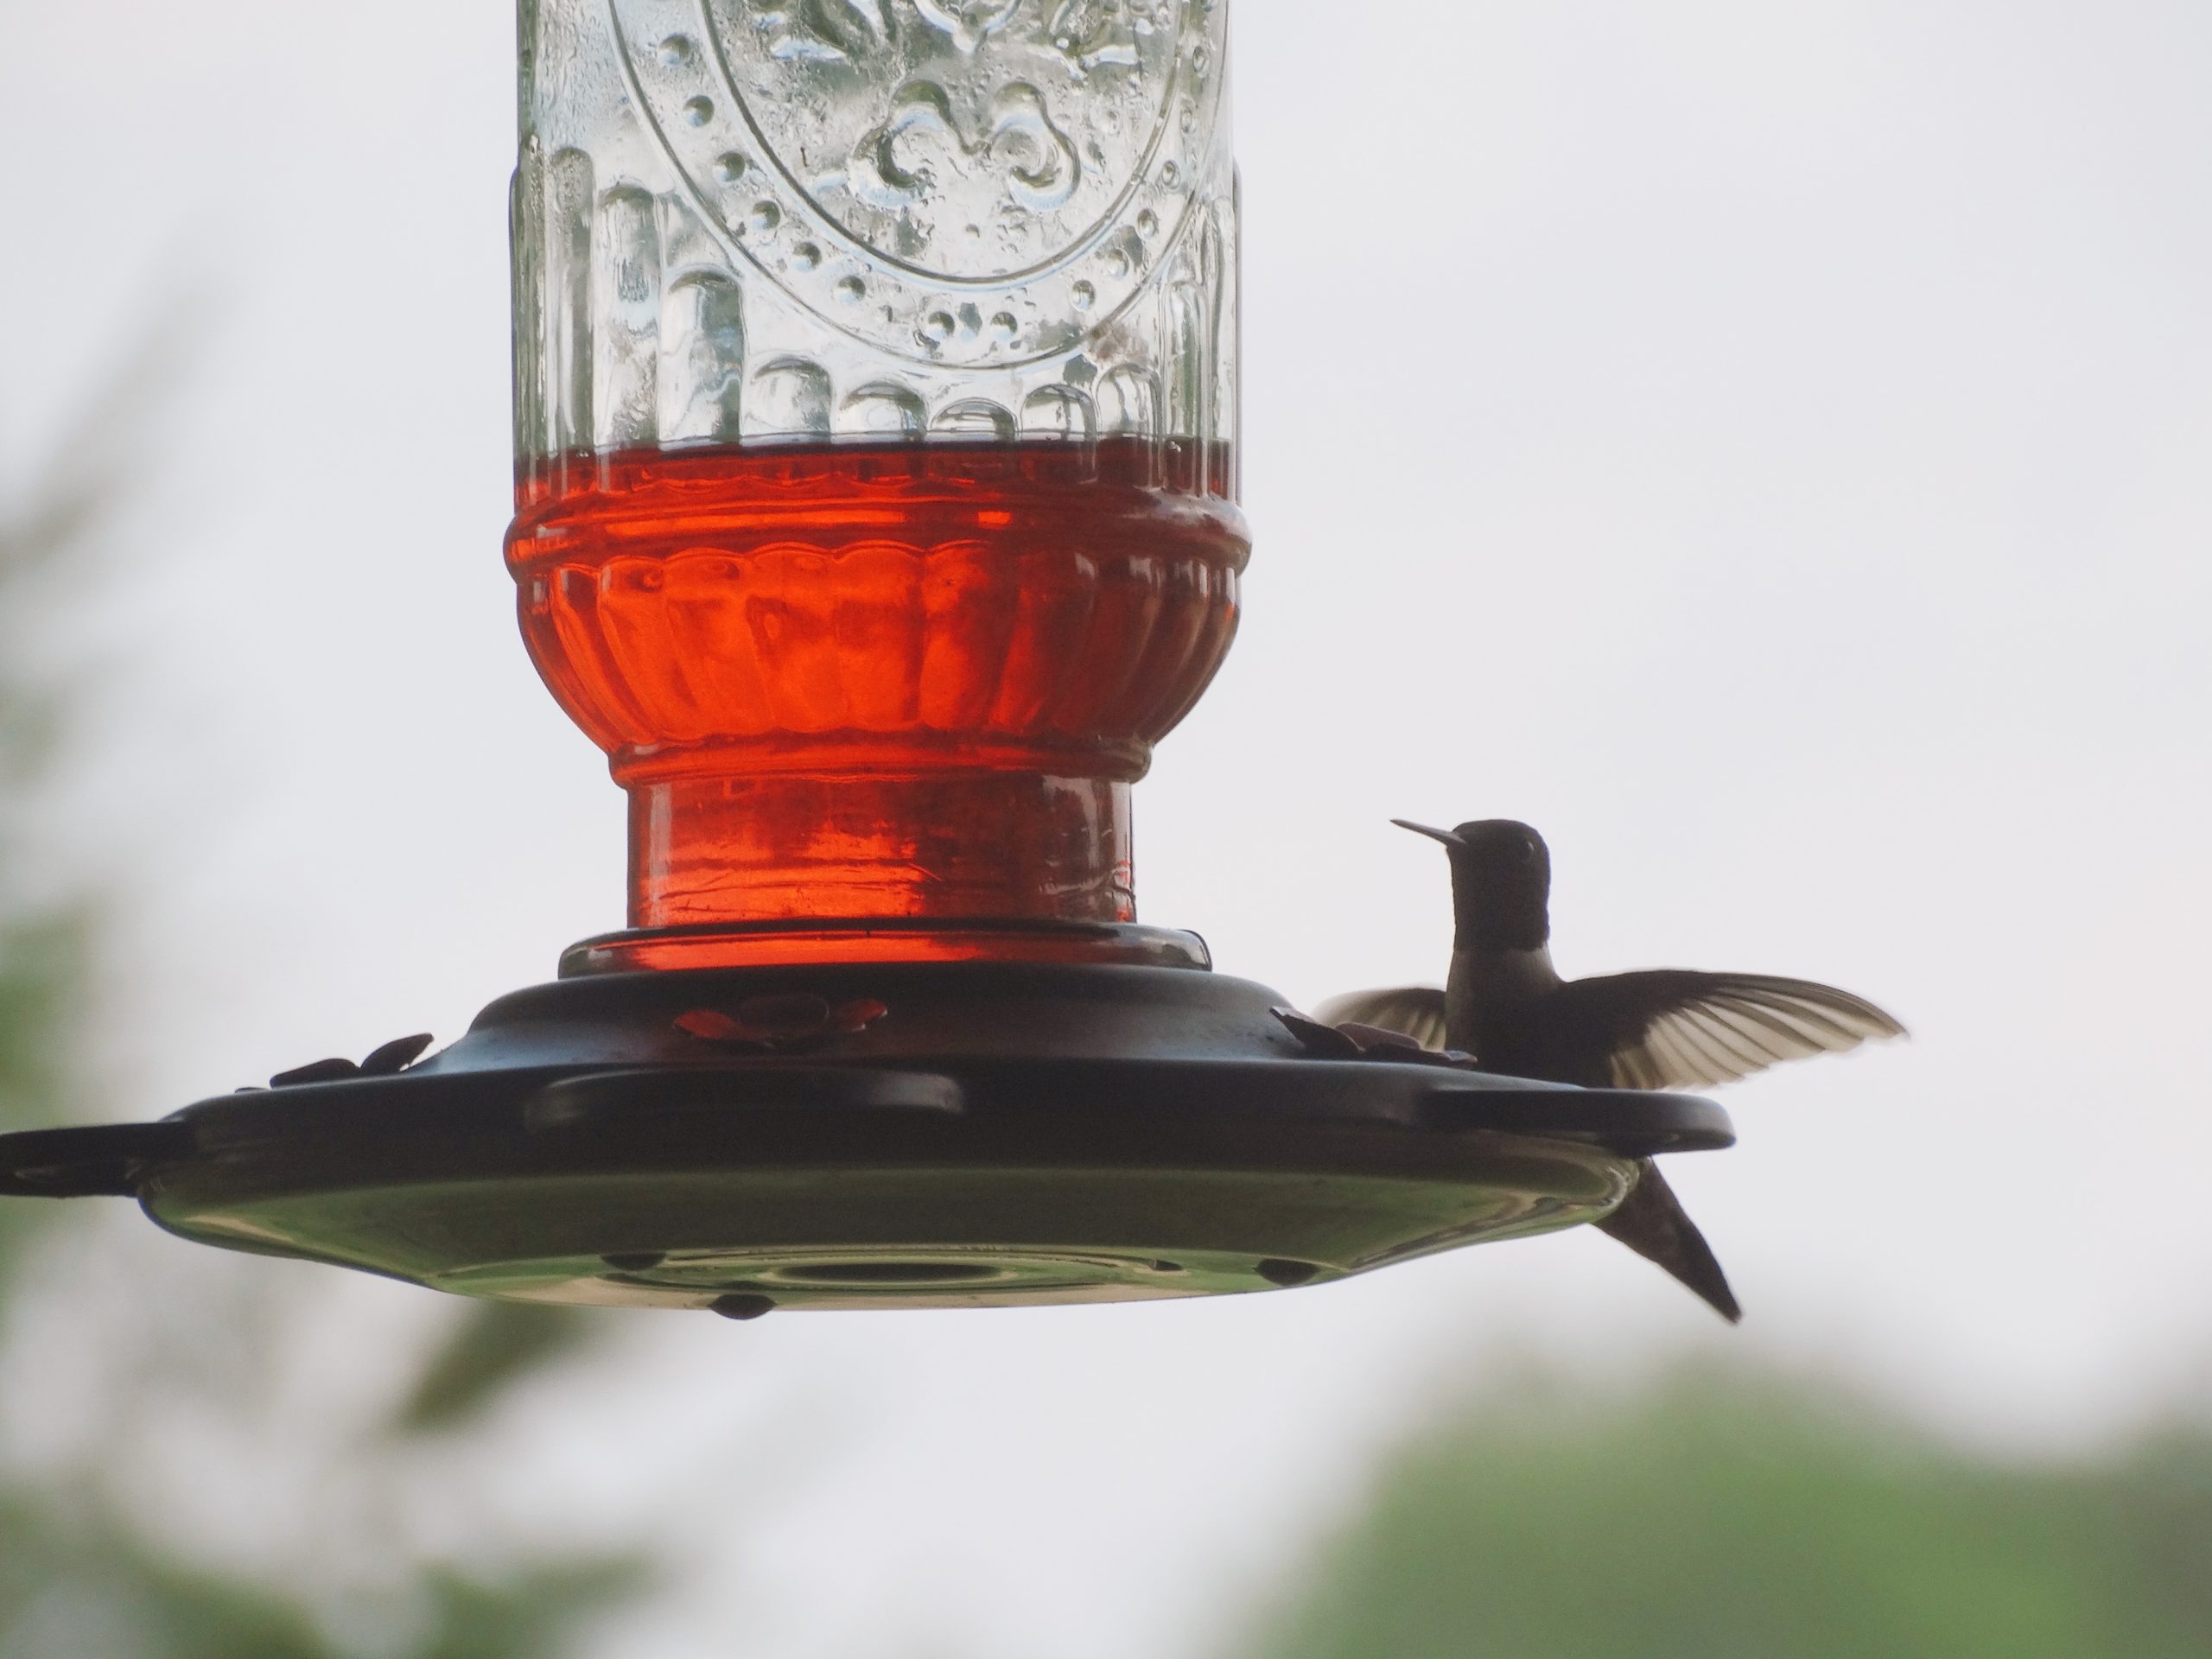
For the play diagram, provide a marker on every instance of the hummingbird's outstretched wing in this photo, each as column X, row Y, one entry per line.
column 1417, row 1010
column 1673, row 1028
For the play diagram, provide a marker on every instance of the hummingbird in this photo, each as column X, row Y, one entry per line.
column 1661, row 1028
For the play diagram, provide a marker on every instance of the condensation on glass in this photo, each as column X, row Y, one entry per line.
column 875, row 403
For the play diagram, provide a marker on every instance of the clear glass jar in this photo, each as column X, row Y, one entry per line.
column 875, row 405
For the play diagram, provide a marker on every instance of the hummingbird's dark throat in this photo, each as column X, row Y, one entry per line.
column 1499, row 911
column 1491, row 932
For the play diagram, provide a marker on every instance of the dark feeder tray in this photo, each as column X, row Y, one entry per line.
column 946, row 1134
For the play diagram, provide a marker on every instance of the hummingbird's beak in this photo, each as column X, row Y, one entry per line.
column 1444, row 835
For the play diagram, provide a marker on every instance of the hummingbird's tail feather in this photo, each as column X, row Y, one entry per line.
column 1652, row 1222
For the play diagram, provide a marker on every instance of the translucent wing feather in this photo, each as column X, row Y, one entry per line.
column 1676, row 1029
column 1417, row 1010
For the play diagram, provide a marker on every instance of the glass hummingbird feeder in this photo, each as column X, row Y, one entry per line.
column 877, row 477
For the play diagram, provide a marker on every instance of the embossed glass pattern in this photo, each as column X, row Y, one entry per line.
column 875, row 397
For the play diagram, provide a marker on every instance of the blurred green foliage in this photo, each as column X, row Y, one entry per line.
column 72, row 1590
column 1729, row 1516
column 494, row 1348
column 76, row 1578
column 46, row 965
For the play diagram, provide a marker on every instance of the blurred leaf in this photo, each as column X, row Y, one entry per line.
column 43, row 967
column 45, row 937
column 493, row 1346
column 100, row 457
column 523, row 1617
column 71, row 1587
column 76, row 1590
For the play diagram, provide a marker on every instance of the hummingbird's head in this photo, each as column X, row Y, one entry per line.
column 1501, row 881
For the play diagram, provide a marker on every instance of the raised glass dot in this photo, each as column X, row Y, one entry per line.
column 730, row 167
column 1171, row 175
column 1148, row 223
column 1117, row 262
column 938, row 327
column 698, row 111
column 1085, row 295
column 851, row 290
column 1003, row 325
column 1201, row 60
column 764, row 219
column 806, row 256
column 676, row 50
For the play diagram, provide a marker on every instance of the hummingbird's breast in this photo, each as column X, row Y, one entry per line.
column 1494, row 1005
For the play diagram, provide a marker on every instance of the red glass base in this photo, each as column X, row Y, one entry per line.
column 770, row 848
column 879, row 681
column 818, row 943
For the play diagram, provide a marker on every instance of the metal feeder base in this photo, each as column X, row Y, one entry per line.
column 958, row 1135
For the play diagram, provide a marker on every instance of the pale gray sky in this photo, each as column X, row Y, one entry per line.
column 1781, row 432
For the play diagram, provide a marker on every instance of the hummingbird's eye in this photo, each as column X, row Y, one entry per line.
column 1527, row 852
